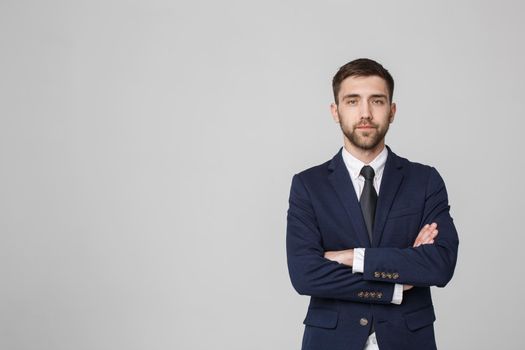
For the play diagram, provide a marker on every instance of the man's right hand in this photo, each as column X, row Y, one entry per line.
column 425, row 236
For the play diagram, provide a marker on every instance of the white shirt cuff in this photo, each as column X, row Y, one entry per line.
column 397, row 298
column 358, row 264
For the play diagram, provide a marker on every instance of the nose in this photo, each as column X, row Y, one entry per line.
column 365, row 111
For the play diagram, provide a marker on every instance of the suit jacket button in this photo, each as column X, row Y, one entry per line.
column 363, row 321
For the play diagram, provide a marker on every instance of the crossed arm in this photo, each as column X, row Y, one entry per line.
column 346, row 257
column 315, row 272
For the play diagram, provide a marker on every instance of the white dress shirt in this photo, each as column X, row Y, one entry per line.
column 354, row 167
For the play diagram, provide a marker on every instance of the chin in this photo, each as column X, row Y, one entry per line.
column 368, row 145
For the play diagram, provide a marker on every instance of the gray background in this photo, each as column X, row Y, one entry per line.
column 147, row 150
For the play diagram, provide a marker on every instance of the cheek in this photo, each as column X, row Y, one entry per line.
column 348, row 124
column 382, row 112
column 349, row 117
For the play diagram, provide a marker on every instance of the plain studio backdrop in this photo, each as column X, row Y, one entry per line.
column 148, row 147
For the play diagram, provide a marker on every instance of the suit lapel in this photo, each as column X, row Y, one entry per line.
column 390, row 182
column 342, row 184
column 343, row 187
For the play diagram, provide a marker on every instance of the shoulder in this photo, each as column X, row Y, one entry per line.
column 315, row 178
column 414, row 166
column 319, row 172
column 426, row 172
column 315, row 171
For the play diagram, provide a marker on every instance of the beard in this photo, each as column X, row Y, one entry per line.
column 367, row 139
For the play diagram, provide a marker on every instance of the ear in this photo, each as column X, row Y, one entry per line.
column 393, row 109
column 333, row 110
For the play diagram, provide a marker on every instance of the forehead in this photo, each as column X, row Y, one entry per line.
column 363, row 86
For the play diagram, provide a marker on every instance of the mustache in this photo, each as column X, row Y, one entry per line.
column 366, row 124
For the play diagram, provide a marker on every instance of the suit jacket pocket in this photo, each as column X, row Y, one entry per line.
column 324, row 318
column 420, row 318
column 394, row 213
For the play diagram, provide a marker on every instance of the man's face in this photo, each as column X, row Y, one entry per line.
column 364, row 111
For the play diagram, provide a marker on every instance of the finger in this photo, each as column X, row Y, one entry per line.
column 423, row 231
column 426, row 233
column 421, row 235
column 431, row 226
column 429, row 237
column 418, row 240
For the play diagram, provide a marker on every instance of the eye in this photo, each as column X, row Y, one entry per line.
column 351, row 101
column 378, row 102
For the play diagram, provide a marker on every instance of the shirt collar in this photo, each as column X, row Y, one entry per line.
column 354, row 165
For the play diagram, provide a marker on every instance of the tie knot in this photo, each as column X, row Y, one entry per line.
column 368, row 172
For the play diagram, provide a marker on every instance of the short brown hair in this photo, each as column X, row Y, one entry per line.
column 362, row 67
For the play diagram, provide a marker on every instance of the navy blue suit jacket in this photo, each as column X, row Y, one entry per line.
column 324, row 214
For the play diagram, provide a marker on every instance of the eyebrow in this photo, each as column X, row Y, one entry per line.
column 372, row 96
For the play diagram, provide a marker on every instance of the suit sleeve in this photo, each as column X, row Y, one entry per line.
column 428, row 264
column 310, row 272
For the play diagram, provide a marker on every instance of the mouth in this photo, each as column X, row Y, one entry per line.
column 365, row 127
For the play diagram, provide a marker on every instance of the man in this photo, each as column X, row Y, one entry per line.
column 368, row 232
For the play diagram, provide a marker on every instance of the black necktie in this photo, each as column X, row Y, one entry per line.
column 368, row 202
column 368, row 199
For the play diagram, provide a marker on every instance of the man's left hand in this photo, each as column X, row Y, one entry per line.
column 345, row 257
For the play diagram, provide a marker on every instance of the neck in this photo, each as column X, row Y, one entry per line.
column 364, row 155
